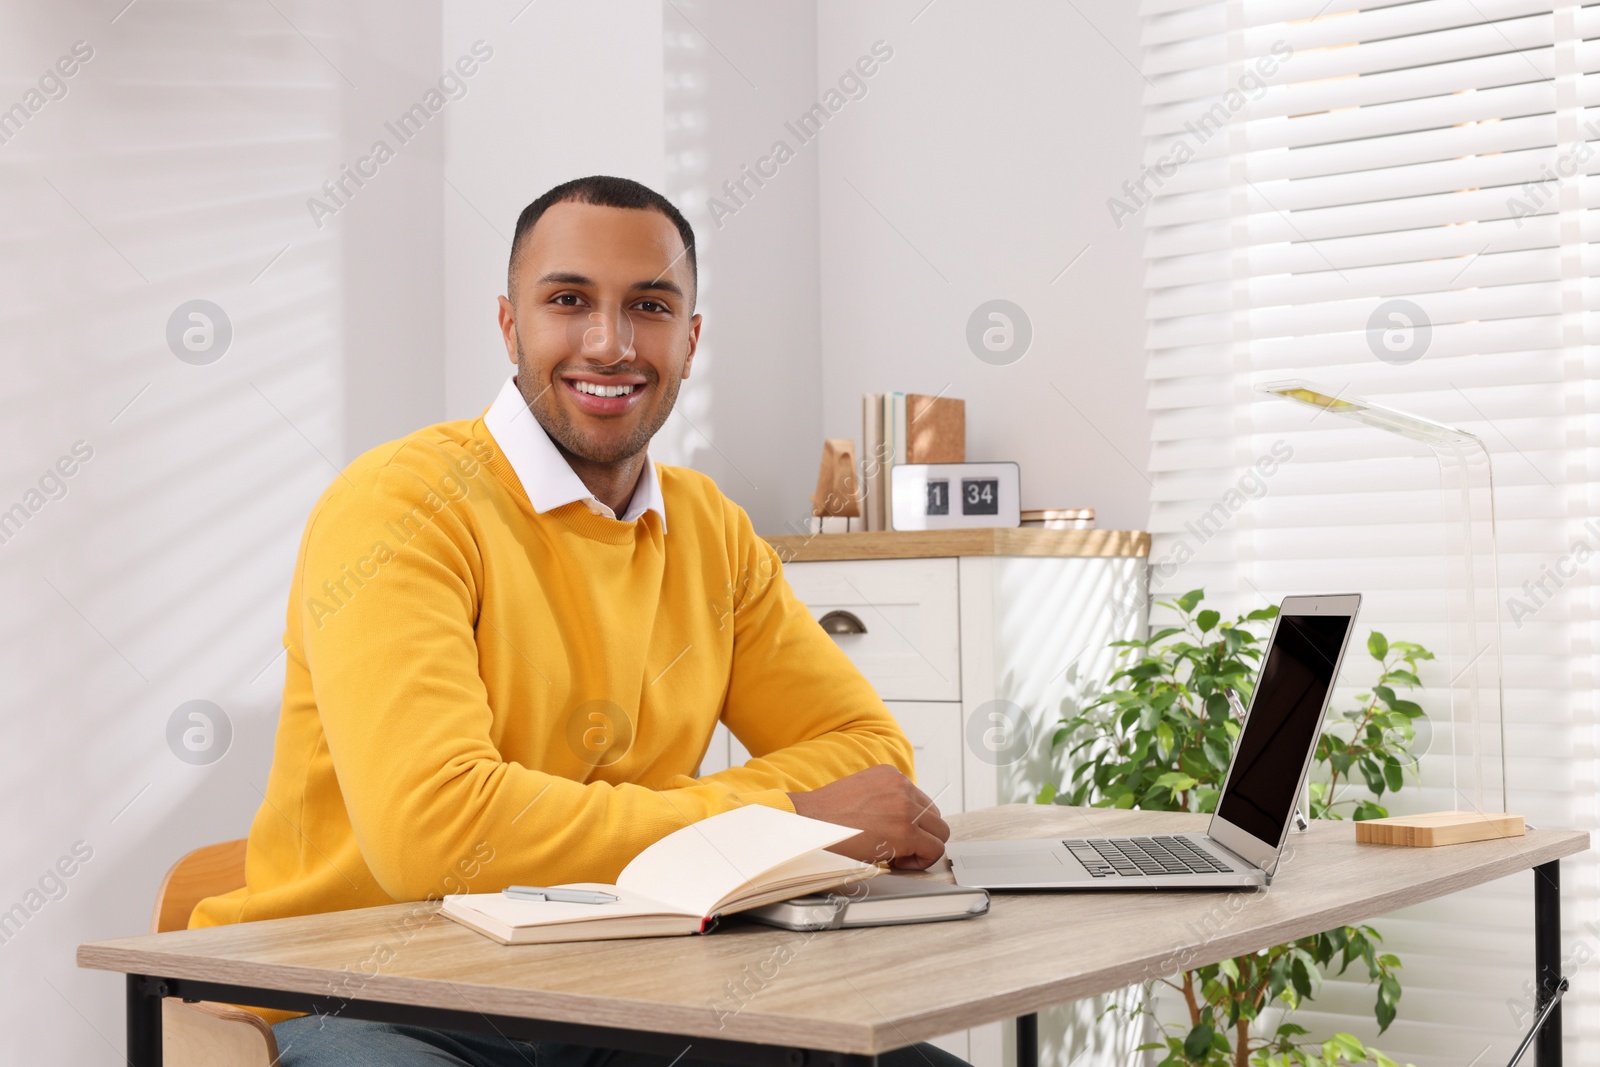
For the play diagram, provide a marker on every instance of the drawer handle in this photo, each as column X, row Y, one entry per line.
column 842, row 622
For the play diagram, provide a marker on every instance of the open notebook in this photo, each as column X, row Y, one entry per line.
column 730, row 862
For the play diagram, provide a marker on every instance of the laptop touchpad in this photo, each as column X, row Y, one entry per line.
column 1004, row 861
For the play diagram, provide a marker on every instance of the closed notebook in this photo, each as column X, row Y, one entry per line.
column 887, row 901
column 730, row 862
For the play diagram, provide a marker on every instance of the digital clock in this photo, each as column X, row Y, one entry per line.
column 945, row 496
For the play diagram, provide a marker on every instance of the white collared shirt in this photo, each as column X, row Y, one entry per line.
column 545, row 475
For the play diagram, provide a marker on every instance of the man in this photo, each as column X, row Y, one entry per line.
column 509, row 639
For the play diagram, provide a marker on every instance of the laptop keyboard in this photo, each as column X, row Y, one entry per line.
column 1111, row 857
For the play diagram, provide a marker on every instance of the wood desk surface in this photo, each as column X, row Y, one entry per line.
column 864, row 991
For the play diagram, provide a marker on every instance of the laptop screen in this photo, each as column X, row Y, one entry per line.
column 1284, row 718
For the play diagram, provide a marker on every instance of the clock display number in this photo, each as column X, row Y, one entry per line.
column 939, row 497
column 980, row 496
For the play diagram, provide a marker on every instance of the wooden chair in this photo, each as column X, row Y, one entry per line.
column 207, row 1034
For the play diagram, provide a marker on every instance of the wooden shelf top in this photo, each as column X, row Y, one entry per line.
column 991, row 541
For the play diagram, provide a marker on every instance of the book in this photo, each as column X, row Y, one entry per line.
column 905, row 428
column 890, row 900
column 898, row 415
column 894, row 451
column 872, row 459
column 936, row 429
column 731, row 862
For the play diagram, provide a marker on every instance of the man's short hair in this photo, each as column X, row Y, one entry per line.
column 602, row 190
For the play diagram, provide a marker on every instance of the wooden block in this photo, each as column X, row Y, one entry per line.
column 837, row 490
column 1439, row 828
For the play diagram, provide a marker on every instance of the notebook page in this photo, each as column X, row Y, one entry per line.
column 695, row 867
column 515, row 912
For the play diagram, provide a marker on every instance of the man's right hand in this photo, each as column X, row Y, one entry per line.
column 897, row 821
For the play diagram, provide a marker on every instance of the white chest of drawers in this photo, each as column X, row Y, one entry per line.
column 976, row 640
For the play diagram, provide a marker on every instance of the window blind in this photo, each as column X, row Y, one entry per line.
column 1443, row 153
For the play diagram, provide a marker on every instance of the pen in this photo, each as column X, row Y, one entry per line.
column 565, row 896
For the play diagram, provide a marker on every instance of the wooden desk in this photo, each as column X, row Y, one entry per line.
column 762, row 996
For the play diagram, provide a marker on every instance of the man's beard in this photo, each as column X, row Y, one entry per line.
column 552, row 415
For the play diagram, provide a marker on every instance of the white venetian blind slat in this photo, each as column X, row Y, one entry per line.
column 1404, row 116
column 1272, row 12
column 1444, row 152
column 1155, row 8
column 1187, row 24
column 1370, row 24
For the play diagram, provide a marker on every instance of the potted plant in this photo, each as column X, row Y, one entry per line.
column 1160, row 738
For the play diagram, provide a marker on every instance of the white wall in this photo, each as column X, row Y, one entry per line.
column 751, row 413
column 978, row 167
column 393, row 224
column 571, row 90
column 178, row 166
column 657, row 93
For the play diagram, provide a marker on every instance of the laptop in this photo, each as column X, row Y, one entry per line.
column 1266, row 777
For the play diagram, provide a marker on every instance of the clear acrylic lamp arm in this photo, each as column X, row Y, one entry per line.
column 1472, row 592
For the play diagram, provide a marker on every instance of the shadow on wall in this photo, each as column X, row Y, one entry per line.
column 685, row 439
column 173, row 172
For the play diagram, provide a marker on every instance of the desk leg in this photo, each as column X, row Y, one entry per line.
column 1028, row 1040
column 144, row 1020
column 1547, row 958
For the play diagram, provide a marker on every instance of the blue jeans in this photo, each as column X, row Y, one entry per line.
column 322, row 1041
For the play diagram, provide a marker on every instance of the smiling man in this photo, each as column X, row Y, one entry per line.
column 510, row 638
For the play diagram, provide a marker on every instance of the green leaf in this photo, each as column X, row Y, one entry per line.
column 1388, row 1001
column 1198, row 1043
column 1372, row 771
column 1378, row 645
column 1348, row 1044
column 1394, row 775
column 1207, row 619
column 1188, row 600
column 1218, row 753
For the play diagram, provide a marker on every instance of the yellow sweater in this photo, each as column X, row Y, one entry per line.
column 479, row 695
